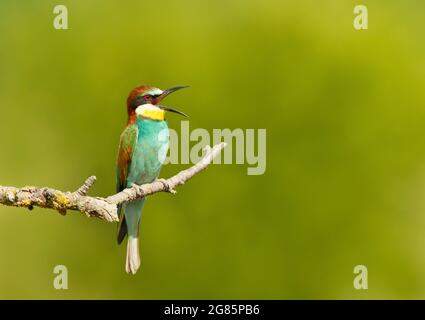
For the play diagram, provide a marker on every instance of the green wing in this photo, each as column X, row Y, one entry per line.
column 125, row 153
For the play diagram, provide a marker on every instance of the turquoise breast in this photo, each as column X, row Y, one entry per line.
column 150, row 151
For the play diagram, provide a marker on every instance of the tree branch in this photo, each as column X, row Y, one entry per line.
column 103, row 208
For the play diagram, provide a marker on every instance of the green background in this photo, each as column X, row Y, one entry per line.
column 344, row 112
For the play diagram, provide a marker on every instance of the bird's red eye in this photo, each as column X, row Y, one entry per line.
column 148, row 97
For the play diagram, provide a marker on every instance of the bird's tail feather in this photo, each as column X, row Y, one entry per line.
column 133, row 258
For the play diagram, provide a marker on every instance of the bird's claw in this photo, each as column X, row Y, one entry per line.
column 138, row 189
column 167, row 186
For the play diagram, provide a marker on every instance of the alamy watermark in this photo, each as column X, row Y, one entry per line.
column 60, row 282
column 361, row 279
column 243, row 146
column 361, row 21
column 60, row 21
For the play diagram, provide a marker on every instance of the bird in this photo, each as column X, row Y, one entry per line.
column 142, row 149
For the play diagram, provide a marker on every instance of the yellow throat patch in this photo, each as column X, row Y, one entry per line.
column 151, row 112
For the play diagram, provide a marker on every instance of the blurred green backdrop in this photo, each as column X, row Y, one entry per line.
column 344, row 112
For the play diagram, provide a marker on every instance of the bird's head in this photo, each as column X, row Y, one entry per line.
column 148, row 98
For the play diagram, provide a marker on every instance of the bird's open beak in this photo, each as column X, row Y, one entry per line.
column 168, row 91
column 173, row 110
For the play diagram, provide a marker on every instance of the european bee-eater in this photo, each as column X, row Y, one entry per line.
column 143, row 145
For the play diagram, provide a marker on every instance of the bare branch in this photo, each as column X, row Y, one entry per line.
column 82, row 191
column 103, row 208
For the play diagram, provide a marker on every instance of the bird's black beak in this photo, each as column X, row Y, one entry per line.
column 168, row 91
column 172, row 110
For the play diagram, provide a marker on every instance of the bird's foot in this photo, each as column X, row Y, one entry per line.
column 167, row 186
column 139, row 189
